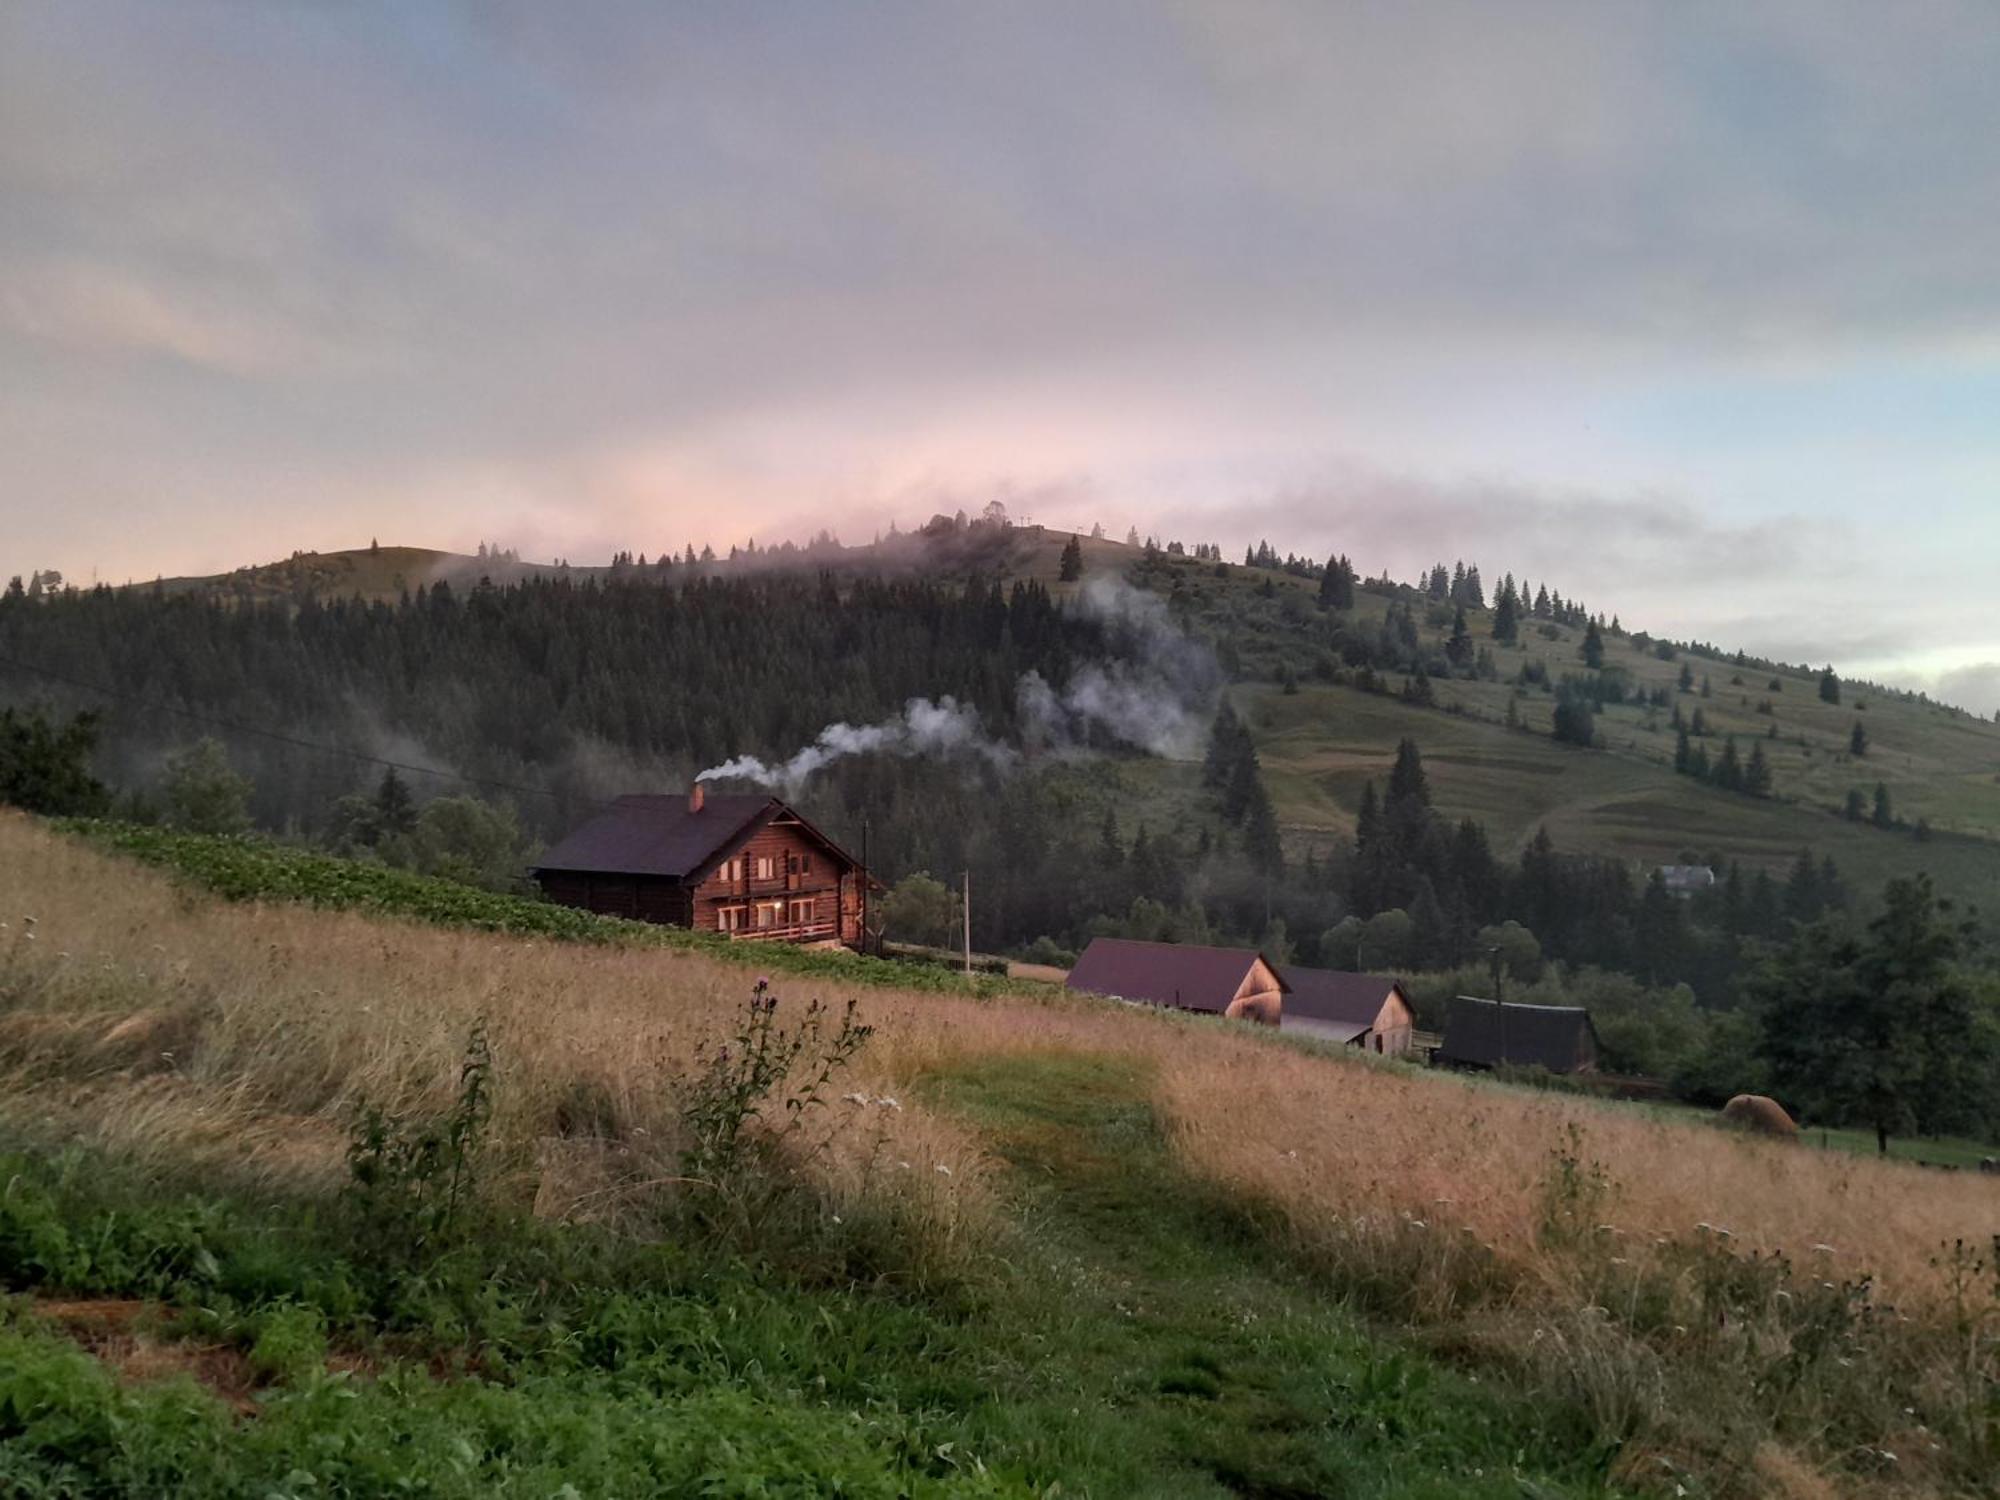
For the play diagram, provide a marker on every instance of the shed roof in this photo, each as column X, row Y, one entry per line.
column 1335, row 996
column 1484, row 1034
column 643, row 834
column 1180, row 974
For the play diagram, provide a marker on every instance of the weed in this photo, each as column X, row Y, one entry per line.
column 750, row 1095
column 410, row 1180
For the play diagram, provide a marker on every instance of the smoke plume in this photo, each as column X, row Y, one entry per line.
column 1145, row 697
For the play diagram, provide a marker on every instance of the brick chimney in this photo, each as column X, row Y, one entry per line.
column 696, row 795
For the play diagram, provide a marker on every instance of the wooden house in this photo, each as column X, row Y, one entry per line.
column 1369, row 1011
column 1483, row 1034
column 1233, row 982
column 742, row 864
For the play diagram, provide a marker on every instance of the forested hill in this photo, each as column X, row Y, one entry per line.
column 551, row 686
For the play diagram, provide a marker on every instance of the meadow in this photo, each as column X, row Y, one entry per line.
column 1021, row 1244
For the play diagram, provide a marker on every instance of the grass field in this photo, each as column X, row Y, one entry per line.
column 1115, row 1252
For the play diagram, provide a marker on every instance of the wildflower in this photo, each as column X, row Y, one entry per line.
column 855, row 1098
column 885, row 1102
column 1418, row 1224
column 836, row 1218
column 942, row 1170
column 904, row 1165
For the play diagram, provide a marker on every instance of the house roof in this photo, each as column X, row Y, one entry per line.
column 644, row 834
column 1181, row 974
column 1334, row 996
column 1560, row 1038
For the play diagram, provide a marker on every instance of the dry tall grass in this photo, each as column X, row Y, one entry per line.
column 169, row 1024
column 193, row 1034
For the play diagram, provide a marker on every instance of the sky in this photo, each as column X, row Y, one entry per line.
column 1690, row 310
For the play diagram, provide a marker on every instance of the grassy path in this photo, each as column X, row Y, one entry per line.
column 1194, row 1364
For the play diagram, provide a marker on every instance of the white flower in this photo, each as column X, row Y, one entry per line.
column 854, row 1098
column 904, row 1165
column 942, row 1170
column 885, row 1102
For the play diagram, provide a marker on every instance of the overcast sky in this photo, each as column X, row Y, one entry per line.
column 1691, row 310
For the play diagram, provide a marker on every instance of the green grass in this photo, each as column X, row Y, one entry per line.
column 1132, row 1337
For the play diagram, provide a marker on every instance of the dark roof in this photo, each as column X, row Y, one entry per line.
column 1560, row 1038
column 1330, row 995
column 1181, row 974
column 657, row 835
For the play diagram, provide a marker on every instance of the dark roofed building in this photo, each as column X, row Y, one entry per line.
column 1358, row 1010
column 742, row 864
column 1485, row 1034
column 1235, row 982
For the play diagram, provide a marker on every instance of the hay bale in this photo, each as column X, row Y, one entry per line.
column 1760, row 1116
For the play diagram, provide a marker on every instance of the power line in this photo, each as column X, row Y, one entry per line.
column 236, row 726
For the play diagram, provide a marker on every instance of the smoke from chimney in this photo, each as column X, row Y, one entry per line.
column 1145, row 697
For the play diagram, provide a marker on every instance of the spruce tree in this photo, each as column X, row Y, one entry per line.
column 1857, row 742
column 1506, row 616
column 1407, row 781
column 1592, row 650
column 1072, row 562
column 1829, row 686
column 1884, row 815
column 1757, row 773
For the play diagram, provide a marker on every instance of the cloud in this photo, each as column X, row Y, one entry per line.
column 1975, row 687
column 1398, row 279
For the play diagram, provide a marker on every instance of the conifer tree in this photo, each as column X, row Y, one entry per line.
column 1757, row 773
column 1458, row 649
column 1071, row 567
column 1857, row 742
column 1592, row 650
column 1884, row 815
column 1506, row 615
column 1829, row 686
column 1407, row 781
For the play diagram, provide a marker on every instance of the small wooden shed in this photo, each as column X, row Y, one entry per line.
column 1236, row 982
column 1483, row 1034
column 1369, row 1011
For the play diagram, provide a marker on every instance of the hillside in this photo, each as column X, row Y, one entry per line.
column 1059, row 1247
column 1322, row 743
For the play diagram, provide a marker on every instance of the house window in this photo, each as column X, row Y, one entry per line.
column 767, row 867
column 730, row 918
column 770, row 914
column 732, row 870
column 803, row 911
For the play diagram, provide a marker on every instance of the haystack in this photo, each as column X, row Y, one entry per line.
column 1760, row 1116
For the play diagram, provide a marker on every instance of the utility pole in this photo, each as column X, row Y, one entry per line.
column 1500, row 998
column 968, row 924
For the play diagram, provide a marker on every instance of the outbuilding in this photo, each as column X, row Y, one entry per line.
column 1369, row 1011
column 1485, row 1034
column 1236, row 982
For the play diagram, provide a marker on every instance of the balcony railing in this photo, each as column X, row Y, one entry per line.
column 790, row 932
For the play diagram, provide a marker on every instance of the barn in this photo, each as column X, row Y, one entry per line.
column 1484, row 1034
column 742, row 864
column 1234, row 982
column 1369, row 1011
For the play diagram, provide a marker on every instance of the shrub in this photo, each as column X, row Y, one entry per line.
column 748, row 1097
column 410, row 1181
